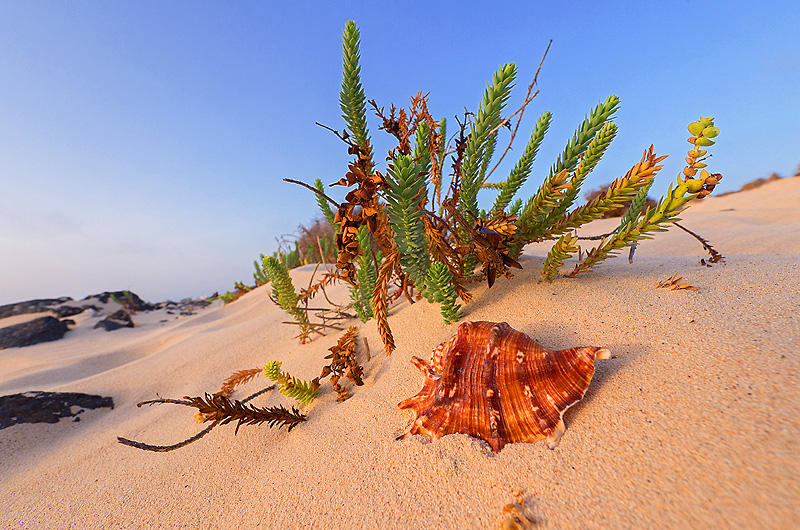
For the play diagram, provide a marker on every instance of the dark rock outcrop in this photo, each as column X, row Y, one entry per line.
column 68, row 311
column 42, row 329
column 47, row 407
column 120, row 319
column 32, row 306
column 137, row 303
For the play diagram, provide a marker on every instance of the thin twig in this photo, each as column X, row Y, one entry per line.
column 312, row 325
column 366, row 346
column 340, row 136
column 673, row 283
column 314, row 308
column 164, row 400
column 325, row 294
column 305, row 301
column 521, row 111
column 595, row 238
column 319, row 244
column 715, row 256
column 315, row 190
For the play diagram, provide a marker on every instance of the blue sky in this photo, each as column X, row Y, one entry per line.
column 142, row 144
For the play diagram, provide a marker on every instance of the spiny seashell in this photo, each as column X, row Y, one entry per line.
column 495, row 383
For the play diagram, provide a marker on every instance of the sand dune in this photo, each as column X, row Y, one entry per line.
column 693, row 423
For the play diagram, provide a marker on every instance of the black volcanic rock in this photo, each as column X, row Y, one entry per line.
column 138, row 303
column 32, row 306
column 47, row 407
column 120, row 319
column 42, row 329
column 69, row 311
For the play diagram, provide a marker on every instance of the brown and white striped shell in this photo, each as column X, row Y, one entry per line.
column 495, row 383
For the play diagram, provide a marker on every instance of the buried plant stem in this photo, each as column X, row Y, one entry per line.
column 165, row 448
column 715, row 256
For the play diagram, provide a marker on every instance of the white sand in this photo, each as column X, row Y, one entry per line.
column 694, row 423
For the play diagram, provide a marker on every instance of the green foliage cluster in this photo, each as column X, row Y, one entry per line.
column 367, row 276
column 259, row 276
column 302, row 391
column 483, row 136
column 406, row 194
column 283, row 291
column 439, row 285
column 438, row 240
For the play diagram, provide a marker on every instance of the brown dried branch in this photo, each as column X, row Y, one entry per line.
column 361, row 207
column 238, row 379
column 343, row 136
column 315, row 190
column 343, row 364
column 311, row 292
column 366, row 347
column 441, row 250
column 458, row 161
column 489, row 246
column 313, row 325
column 715, row 256
column 224, row 410
column 379, row 299
column 166, row 448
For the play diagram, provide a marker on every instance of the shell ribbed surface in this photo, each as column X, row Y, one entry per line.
column 495, row 383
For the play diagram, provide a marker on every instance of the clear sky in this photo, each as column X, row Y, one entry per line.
column 142, row 144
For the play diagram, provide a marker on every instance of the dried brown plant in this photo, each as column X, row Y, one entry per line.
column 220, row 408
column 360, row 208
column 674, row 283
column 343, row 364
column 238, row 379
column 488, row 245
column 380, row 300
column 716, row 257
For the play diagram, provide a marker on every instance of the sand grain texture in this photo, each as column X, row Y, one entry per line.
column 694, row 422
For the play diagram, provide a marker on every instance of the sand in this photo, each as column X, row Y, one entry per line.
column 693, row 423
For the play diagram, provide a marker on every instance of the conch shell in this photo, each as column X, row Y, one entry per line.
column 495, row 383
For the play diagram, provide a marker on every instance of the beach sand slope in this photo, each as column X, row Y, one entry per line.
column 693, row 423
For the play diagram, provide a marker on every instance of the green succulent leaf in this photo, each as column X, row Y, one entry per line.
column 302, row 391
column 522, row 169
column 406, row 196
column 440, row 288
column 352, row 100
column 541, row 203
column 283, row 291
column 482, row 140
